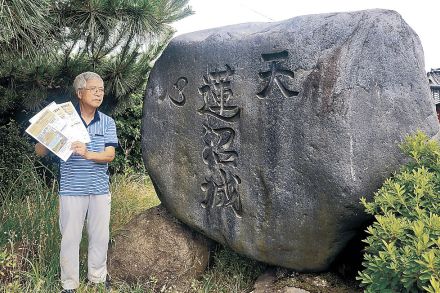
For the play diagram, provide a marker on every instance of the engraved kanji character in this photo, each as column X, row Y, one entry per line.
column 223, row 193
column 273, row 75
column 217, row 149
column 216, row 93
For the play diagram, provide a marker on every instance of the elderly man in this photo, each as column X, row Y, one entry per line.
column 84, row 187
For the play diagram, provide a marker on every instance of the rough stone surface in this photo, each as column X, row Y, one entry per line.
column 278, row 280
column 294, row 290
column 264, row 283
column 264, row 136
column 155, row 246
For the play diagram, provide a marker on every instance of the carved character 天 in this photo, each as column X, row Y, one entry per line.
column 273, row 75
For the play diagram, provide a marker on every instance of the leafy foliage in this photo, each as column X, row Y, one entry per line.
column 18, row 163
column 129, row 154
column 8, row 267
column 13, row 156
column 403, row 246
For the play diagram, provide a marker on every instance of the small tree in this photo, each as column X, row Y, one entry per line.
column 403, row 246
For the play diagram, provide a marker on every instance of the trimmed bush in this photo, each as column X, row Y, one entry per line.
column 403, row 246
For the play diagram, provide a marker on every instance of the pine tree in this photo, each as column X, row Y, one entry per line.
column 24, row 24
column 44, row 44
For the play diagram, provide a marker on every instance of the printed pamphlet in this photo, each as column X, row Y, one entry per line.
column 57, row 126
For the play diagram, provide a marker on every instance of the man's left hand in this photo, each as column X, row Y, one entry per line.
column 80, row 148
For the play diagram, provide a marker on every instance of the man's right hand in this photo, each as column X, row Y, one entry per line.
column 41, row 150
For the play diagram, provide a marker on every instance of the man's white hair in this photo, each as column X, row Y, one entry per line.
column 80, row 81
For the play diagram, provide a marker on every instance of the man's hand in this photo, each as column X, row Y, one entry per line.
column 80, row 148
column 41, row 150
column 105, row 156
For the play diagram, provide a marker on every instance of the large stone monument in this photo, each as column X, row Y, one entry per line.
column 264, row 136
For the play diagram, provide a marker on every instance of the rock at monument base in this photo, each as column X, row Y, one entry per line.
column 265, row 136
column 290, row 282
column 154, row 245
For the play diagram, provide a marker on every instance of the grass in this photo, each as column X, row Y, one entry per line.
column 29, row 235
column 131, row 194
column 230, row 272
column 30, row 238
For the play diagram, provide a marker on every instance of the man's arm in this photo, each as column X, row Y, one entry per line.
column 41, row 150
column 105, row 156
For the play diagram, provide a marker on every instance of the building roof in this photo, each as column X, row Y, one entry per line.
column 434, row 84
column 434, row 77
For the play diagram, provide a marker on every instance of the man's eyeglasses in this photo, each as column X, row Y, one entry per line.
column 95, row 89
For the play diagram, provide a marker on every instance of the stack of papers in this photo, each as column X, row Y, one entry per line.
column 57, row 126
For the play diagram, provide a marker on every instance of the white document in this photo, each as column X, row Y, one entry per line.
column 47, row 130
column 56, row 127
column 76, row 131
column 51, row 106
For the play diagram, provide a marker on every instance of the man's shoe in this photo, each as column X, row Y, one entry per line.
column 107, row 283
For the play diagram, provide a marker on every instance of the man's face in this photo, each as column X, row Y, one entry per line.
column 93, row 93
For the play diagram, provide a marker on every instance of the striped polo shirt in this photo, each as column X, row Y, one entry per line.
column 79, row 176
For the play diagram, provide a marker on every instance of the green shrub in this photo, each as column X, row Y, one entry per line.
column 129, row 154
column 403, row 246
column 8, row 267
column 16, row 151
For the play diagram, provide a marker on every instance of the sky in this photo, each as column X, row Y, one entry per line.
column 422, row 16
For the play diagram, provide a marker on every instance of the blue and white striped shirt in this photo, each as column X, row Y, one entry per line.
column 79, row 176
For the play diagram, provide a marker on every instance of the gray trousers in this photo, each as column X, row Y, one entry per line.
column 73, row 212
